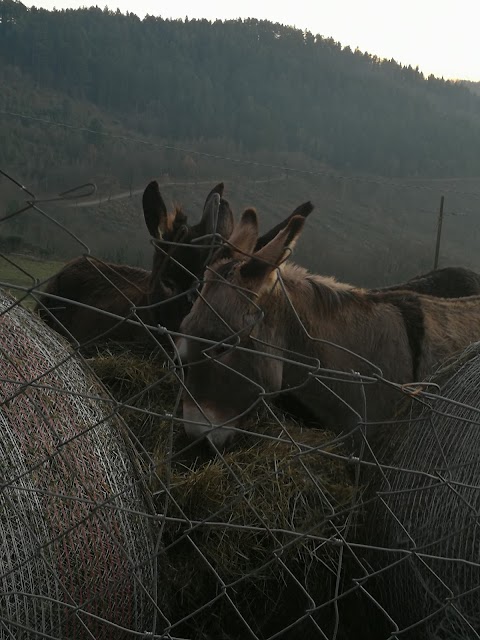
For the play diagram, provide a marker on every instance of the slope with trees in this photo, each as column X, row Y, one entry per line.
column 255, row 85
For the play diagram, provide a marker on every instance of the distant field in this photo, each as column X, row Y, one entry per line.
column 22, row 271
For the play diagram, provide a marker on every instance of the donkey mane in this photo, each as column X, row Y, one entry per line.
column 328, row 293
column 317, row 293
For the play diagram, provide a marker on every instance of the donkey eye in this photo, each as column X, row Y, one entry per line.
column 218, row 350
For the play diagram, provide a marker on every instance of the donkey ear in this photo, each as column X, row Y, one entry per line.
column 225, row 219
column 209, row 221
column 303, row 210
column 244, row 236
column 271, row 256
column 154, row 210
column 216, row 189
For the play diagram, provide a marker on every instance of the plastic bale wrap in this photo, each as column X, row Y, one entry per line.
column 423, row 518
column 75, row 533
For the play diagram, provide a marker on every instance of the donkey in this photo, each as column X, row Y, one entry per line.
column 116, row 289
column 167, row 290
column 262, row 326
column 449, row 282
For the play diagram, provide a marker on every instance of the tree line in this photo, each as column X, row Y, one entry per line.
column 250, row 85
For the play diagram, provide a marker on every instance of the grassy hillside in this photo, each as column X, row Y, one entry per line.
column 25, row 272
column 367, row 232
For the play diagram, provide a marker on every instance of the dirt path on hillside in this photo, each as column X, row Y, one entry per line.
column 135, row 192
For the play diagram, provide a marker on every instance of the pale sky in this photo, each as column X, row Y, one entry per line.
column 440, row 36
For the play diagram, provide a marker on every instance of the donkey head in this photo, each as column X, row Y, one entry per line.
column 232, row 336
column 181, row 249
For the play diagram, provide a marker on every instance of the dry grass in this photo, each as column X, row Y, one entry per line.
column 249, row 531
column 137, row 378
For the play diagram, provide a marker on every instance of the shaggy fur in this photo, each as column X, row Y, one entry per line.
column 449, row 282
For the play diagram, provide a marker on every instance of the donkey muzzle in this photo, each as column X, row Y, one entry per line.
column 206, row 423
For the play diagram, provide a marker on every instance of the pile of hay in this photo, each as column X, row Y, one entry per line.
column 75, row 527
column 139, row 380
column 249, row 539
column 244, row 516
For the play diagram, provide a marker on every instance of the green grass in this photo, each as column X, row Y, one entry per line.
column 22, row 271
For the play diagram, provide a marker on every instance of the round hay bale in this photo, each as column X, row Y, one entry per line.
column 423, row 519
column 74, row 524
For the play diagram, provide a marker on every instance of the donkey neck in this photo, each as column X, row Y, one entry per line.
column 324, row 323
column 310, row 311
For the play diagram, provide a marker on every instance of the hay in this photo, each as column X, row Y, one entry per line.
column 236, row 520
column 75, row 543
column 258, row 497
column 428, row 524
column 139, row 380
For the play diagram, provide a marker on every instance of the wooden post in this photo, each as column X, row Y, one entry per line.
column 439, row 232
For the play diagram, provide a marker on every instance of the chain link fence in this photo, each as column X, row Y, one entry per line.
column 118, row 519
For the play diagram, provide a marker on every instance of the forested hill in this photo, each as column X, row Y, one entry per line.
column 252, row 85
column 473, row 86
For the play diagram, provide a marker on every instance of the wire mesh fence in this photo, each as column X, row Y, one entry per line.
column 228, row 447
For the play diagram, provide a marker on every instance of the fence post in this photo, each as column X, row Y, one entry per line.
column 439, row 232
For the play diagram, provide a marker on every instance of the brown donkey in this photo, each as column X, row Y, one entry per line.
column 97, row 288
column 325, row 343
column 449, row 282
